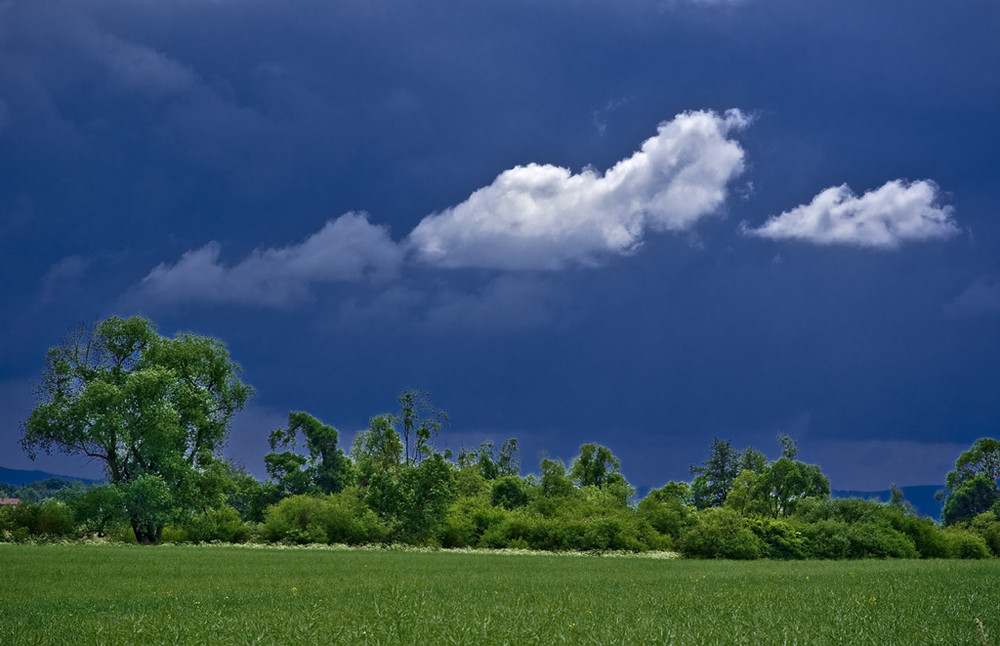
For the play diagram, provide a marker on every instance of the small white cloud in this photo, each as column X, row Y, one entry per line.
column 545, row 217
column 347, row 249
column 600, row 117
column 884, row 218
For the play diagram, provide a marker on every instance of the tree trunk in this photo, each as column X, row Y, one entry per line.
column 146, row 533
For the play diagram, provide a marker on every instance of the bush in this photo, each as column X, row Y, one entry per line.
column 173, row 534
column 509, row 492
column 467, row 520
column 720, row 533
column 223, row 524
column 608, row 531
column 876, row 540
column 826, row 539
column 335, row 518
column 926, row 535
column 987, row 526
column 781, row 540
column 99, row 509
column 668, row 517
column 469, row 483
column 966, row 545
column 50, row 519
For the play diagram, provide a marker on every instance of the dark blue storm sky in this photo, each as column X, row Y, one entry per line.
column 637, row 223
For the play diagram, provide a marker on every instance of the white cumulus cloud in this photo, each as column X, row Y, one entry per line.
column 346, row 249
column 546, row 217
column 884, row 218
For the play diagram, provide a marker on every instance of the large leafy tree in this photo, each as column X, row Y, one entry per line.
column 982, row 459
column 971, row 488
column 154, row 410
column 773, row 488
column 977, row 495
column 786, row 480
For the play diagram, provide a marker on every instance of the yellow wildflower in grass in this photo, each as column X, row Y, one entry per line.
column 295, row 591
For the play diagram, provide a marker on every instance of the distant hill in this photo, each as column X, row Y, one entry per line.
column 21, row 477
column 920, row 496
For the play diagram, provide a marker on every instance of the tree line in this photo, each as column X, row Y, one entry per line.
column 157, row 410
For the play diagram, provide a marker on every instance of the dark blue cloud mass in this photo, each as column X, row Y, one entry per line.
column 641, row 223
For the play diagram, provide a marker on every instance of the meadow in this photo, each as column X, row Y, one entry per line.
column 119, row 594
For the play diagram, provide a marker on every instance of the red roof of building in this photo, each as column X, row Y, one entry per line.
column 10, row 501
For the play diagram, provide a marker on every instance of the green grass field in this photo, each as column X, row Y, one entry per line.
column 117, row 594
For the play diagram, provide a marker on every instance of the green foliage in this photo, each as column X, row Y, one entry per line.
column 427, row 494
column 376, row 449
column 856, row 528
column 334, row 518
column 419, row 420
column 971, row 488
column 747, row 496
column 973, row 497
column 98, row 509
column 666, row 512
column 987, row 526
column 384, row 493
column 786, row 481
column 926, row 535
column 606, row 530
column 555, row 483
column 49, row 519
column 826, row 539
column 509, row 492
column 326, row 469
column 145, row 405
column 491, row 462
column 217, row 525
column 714, row 476
column 779, row 539
column 966, row 545
column 467, row 520
column 982, row 459
column 720, row 534
column 595, row 466
column 149, row 503
column 469, row 482
column 770, row 489
column 876, row 540
column 752, row 459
